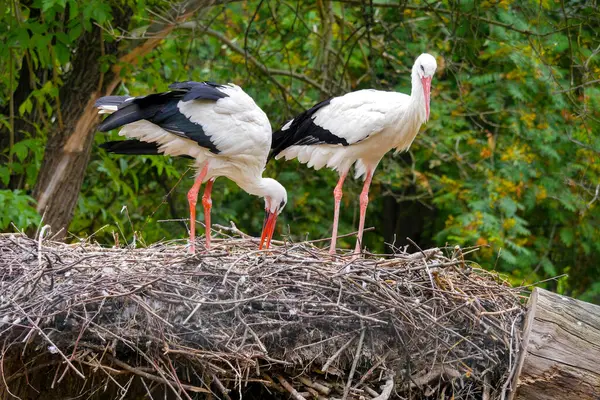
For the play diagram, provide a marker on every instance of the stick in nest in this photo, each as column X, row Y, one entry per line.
column 354, row 363
column 155, row 378
column 58, row 350
column 293, row 392
column 386, row 391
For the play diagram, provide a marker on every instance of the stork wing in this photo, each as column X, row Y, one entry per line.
column 162, row 109
column 344, row 120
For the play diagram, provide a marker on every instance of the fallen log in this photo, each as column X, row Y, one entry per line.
column 560, row 357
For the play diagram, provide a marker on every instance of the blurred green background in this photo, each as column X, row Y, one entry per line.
column 509, row 161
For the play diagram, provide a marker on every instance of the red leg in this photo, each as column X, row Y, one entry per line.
column 192, row 200
column 337, row 196
column 207, row 203
column 364, row 201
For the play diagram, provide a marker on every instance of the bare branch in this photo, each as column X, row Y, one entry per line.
column 450, row 12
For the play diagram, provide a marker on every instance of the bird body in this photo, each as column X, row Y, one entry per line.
column 219, row 126
column 371, row 122
column 358, row 128
column 204, row 129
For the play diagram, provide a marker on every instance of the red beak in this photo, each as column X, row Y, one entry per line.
column 426, row 91
column 268, row 229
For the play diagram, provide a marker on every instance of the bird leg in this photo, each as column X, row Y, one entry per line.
column 192, row 200
column 207, row 203
column 337, row 195
column 364, row 201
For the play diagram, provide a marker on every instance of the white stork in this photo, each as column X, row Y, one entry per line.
column 359, row 127
column 219, row 126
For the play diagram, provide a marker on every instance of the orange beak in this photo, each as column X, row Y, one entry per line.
column 268, row 229
column 426, row 92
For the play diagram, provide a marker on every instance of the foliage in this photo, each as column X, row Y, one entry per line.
column 509, row 160
column 17, row 210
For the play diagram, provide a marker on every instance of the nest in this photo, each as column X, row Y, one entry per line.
column 293, row 322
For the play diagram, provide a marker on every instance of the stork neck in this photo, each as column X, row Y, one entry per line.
column 254, row 185
column 417, row 97
column 272, row 191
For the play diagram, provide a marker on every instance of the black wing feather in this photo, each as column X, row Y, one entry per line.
column 303, row 131
column 197, row 90
column 132, row 147
column 161, row 109
column 111, row 100
column 137, row 109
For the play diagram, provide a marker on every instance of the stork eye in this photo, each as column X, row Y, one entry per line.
column 422, row 69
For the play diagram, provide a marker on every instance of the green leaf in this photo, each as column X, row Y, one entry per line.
column 73, row 9
column 75, row 32
column 62, row 53
column 48, row 4
column 19, row 37
column 63, row 38
column 18, row 209
column 508, row 206
column 4, row 175
column 26, row 107
column 549, row 267
column 101, row 12
column 567, row 236
column 20, row 150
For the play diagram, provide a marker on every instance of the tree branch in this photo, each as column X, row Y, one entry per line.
column 264, row 69
column 450, row 12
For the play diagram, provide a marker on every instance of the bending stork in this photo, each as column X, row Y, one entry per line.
column 219, row 126
column 359, row 127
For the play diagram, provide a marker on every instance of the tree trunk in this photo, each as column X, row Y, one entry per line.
column 68, row 149
column 560, row 357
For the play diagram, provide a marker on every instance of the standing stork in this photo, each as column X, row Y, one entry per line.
column 219, row 126
column 359, row 127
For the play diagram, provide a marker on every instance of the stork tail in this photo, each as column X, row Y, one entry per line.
column 130, row 147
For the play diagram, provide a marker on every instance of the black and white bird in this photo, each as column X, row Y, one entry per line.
column 219, row 126
column 359, row 127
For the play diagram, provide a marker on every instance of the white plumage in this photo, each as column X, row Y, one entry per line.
column 219, row 126
column 358, row 128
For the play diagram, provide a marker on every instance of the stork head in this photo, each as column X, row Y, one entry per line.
column 275, row 200
column 424, row 69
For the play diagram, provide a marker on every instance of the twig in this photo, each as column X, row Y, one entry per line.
column 222, row 388
column 155, row 378
column 40, row 240
column 293, row 392
column 386, row 391
column 354, row 363
column 314, row 385
column 368, row 374
column 438, row 372
column 147, row 390
column 486, row 387
column 424, row 262
column 41, row 332
column 508, row 310
column 371, row 228
column 337, row 354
